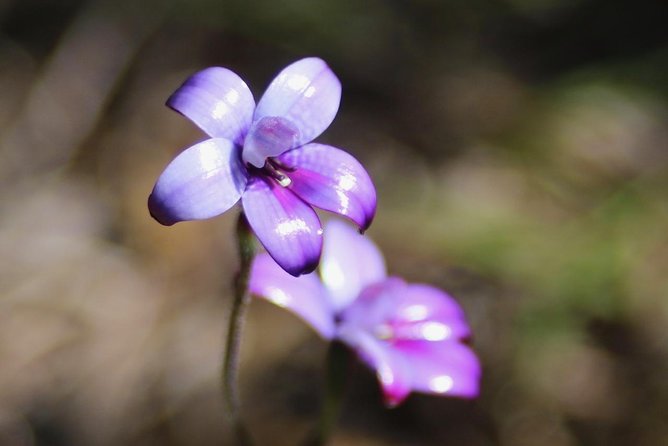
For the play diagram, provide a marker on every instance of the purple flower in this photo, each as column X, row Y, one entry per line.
column 263, row 155
column 410, row 334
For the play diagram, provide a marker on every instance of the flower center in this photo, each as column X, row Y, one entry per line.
column 268, row 137
column 276, row 170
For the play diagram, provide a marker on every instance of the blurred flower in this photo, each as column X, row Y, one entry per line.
column 410, row 334
column 262, row 155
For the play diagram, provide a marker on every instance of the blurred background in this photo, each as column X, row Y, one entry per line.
column 520, row 152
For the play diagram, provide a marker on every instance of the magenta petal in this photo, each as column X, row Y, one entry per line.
column 218, row 101
column 307, row 93
column 392, row 371
column 376, row 304
column 350, row 262
column 288, row 228
column 445, row 367
column 426, row 312
column 302, row 295
column 407, row 312
column 203, row 181
column 333, row 180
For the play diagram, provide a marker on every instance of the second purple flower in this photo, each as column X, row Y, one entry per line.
column 263, row 156
column 412, row 335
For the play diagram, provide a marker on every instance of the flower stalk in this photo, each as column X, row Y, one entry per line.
column 246, row 250
column 338, row 368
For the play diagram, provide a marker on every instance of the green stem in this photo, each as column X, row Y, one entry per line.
column 246, row 248
column 338, row 361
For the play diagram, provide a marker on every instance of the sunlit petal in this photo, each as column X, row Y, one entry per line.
column 304, row 295
column 288, row 228
column 374, row 308
column 307, row 93
column 445, row 367
column 205, row 180
column 218, row 101
column 422, row 306
column 350, row 262
column 333, row 180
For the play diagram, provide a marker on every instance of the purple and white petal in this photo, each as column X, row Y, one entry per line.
column 392, row 371
column 307, row 93
column 333, row 180
column 428, row 330
column 350, row 262
column 218, row 101
column 445, row 368
column 395, row 310
column 304, row 295
column 426, row 312
column 203, row 181
column 268, row 136
column 375, row 306
column 288, row 228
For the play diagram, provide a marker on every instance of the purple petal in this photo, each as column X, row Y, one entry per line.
column 395, row 310
column 269, row 136
column 445, row 368
column 425, row 312
column 302, row 295
column 331, row 179
column 288, row 228
column 203, row 181
column 307, row 93
column 391, row 370
column 376, row 304
column 350, row 263
column 218, row 101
